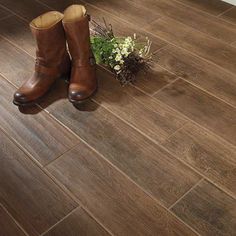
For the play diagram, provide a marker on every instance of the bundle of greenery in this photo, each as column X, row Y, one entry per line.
column 124, row 56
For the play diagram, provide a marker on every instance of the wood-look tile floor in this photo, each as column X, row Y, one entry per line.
column 156, row 158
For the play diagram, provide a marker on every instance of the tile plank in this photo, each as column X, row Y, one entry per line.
column 33, row 128
column 127, row 10
column 8, row 225
column 213, row 7
column 201, row 73
column 124, row 102
column 146, row 163
column 27, row 9
column 190, row 17
column 230, row 15
column 27, row 193
column 208, row 210
column 205, row 152
column 198, row 43
column 116, row 202
column 202, row 108
column 78, row 223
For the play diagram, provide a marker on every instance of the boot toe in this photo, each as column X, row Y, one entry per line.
column 20, row 97
column 78, row 95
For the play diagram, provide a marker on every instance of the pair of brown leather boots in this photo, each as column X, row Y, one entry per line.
column 52, row 30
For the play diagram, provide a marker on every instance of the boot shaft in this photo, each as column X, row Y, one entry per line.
column 77, row 34
column 49, row 35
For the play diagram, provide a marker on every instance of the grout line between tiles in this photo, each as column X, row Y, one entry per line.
column 193, row 187
column 64, row 189
column 165, row 40
column 58, row 222
column 15, row 221
column 151, row 138
column 222, row 13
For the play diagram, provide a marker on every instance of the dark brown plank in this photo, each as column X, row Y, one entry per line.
column 4, row 13
column 18, row 32
column 208, row 210
column 201, row 107
column 115, row 201
column 230, row 15
column 27, row 9
column 205, row 152
column 188, row 16
column 28, row 194
column 124, row 102
column 15, row 65
column 60, row 5
column 199, row 72
column 146, row 163
column 127, row 10
column 78, row 223
column 8, row 225
column 33, row 128
column 196, row 42
column 213, row 7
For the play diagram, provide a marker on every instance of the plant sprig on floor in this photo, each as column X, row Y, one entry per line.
column 125, row 56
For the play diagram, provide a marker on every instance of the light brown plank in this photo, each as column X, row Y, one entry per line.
column 27, row 9
column 202, row 108
column 195, row 42
column 28, row 194
column 205, row 152
column 124, row 102
column 208, row 210
column 115, row 201
column 230, row 15
column 8, row 225
column 33, row 128
column 78, row 223
column 213, row 7
column 146, row 163
column 199, row 72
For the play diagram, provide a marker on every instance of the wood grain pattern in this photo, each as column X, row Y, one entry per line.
column 34, row 129
column 213, row 7
column 202, row 108
column 195, row 19
column 201, row 73
column 18, row 32
column 127, row 10
column 114, row 200
column 230, row 15
column 208, row 210
column 8, row 225
column 158, row 124
column 27, row 9
column 196, row 42
column 3, row 12
column 78, row 223
column 146, row 163
column 27, row 193
column 15, row 65
column 205, row 152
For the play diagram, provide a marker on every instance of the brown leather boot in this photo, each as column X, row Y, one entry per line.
column 52, row 59
column 83, row 81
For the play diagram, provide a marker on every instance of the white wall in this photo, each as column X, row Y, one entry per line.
column 231, row 1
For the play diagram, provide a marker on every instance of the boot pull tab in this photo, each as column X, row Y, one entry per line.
column 89, row 17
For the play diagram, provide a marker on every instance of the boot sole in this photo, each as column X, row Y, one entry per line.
column 76, row 102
